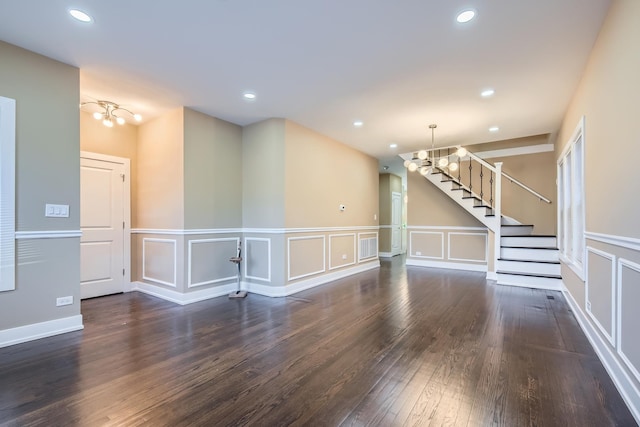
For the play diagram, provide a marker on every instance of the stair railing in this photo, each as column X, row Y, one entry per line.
column 473, row 178
column 489, row 193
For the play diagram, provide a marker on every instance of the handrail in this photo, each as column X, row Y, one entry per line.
column 493, row 169
column 530, row 190
column 509, row 177
column 482, row 161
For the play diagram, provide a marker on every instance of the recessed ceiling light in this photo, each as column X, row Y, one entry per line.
column 393, row 145
column 358, row 123
column 494, row 129
column 465, row 16
column 487, row 93
column 80, row 15
column 249, row 95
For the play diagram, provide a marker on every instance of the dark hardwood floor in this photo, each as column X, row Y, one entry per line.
column 390, row 347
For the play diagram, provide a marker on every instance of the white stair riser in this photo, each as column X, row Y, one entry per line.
column 529, row 254
column 529, row 267
column 529, row 281
column 516, row 231
column 529, row 242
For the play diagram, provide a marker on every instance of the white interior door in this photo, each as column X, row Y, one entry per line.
column 396, row 223
column 102, row 221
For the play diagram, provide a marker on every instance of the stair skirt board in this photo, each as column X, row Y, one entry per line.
column 529, row 241
column 464, row 198
column 535, row 282
column 530, row 267
column 529, row 254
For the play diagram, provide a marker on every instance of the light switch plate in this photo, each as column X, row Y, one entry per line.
column 56, row 211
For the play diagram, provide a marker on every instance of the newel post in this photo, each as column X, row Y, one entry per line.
column 498, row 215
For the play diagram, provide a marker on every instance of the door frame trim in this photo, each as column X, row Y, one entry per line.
column 127, row 209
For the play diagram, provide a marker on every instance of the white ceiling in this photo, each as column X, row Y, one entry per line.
column 397, row 65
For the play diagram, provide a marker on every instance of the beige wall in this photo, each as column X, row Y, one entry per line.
column 160, row 183
column 119, row 141
column 607, row 97
column 212, row 172
column 537, row 171
column 263, row 174
column 321, row 174
column 294, row 177
column 47, row 171
column 428, row 205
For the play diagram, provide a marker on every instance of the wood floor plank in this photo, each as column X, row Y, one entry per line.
column 395, row 346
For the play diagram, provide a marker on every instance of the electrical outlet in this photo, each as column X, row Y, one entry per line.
column 64, row 301
column 344, row 256
column 418, row 253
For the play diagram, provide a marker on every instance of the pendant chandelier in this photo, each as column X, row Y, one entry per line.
column 111, row 113
column 428, row 162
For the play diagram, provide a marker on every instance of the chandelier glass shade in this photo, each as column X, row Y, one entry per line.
column 428, row 161
column 110, row 112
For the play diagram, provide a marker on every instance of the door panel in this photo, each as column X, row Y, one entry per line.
column 396, row 226
column 102, row 224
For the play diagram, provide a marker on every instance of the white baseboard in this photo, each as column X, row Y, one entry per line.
column 623, row 382
column 40, row 330
column 302, row 285
column 492, row 275
column 449, row 265
column 183, row 298
column 385, row 254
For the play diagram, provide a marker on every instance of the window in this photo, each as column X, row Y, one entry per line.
column 571, row 202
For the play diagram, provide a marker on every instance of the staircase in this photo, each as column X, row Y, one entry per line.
column 527, row 259
column 524, row 259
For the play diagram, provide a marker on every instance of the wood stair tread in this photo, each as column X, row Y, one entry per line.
column 530, row 247
column 529, row 235
column 515, row 273
column 529, row 260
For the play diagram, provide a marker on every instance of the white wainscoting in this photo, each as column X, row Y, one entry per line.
column 247, row 258
column 623, row 382
column 456, row 233
column 184, row 232
column 174, row 260
column 353, row 253
column 623, row 371
column 630, row 335
column 609, row 335
column 215, row 279
column 302, row 285
column 413, row 254
column 446, row 264
column 183, row 298
column 308, row 273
